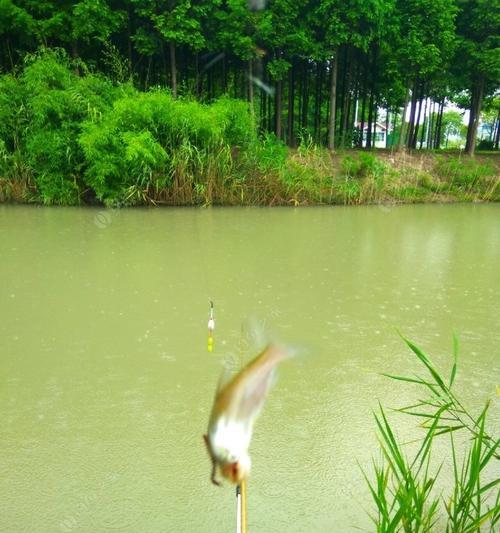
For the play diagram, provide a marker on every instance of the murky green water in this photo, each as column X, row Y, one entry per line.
column 106, row 382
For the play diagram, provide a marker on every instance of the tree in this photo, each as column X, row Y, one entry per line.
column 16, row 30
column 452, row 125
column 339, row 23
column 285, row 33
column 426, row 42
column 477, row 60
column 96, row 20
column 174, row 21
column 324, row 66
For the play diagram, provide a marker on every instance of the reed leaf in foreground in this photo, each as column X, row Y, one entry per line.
column 402, row 491
column 456, row 416
column 465, row 508
column 403, row 488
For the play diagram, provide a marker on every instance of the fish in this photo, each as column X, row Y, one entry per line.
column 237, row 404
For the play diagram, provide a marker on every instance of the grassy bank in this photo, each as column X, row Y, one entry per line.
column 69, row 137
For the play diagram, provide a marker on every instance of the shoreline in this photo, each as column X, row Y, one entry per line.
column 310, row 176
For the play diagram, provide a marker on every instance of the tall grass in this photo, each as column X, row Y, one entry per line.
column 468, row 177
column 403, row 489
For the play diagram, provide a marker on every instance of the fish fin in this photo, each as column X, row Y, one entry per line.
column 255, row 335
column 224, row 378
column 254, row 395
column 261, row 377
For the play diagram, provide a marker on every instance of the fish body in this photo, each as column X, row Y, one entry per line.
column 236, row 406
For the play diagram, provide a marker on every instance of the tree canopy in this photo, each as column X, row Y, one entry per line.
column 321, row 68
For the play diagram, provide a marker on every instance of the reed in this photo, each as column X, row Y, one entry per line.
column 403, row 489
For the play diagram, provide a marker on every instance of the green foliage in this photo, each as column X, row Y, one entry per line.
column 363, row 165
column 40, row 116
column 347, row 191
column 465, row 173
column 268, row 154
column 96, row 19
column 485, row 144
column 236, row 122
column 385, row 52
column 478, row 25
column 238, row 28
column 13, row 117
column 74, row 134
column 452, row 125
column 149, row 140
column 57, row 102
column 68, row 135
column 403, row 489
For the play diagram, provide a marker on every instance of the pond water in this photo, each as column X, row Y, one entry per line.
column 106, row 382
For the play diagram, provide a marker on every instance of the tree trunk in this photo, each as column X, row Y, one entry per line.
column 430, row 143
column 197, row 75
column 429, row 124
column 413, row 109
column 129, row 42
column 333, row 100
column 148, row 70
column 362, row 122
column 291, row 104
column 475, row 114
column 210, row 83
column 394, row 126
column 262, row 108
column 345, row 125
column 173, row 69
column 318, row 101
column 346, row 103
column 387, row 122
column 401, row 140
column 250, row 85
column 277, row 110
column 497, row 135
column 424, row 125
column 370, row 122
column 417, row 122
column 9, row 52
column 236, row 72
column 269, row 98
column 75, row 55
column 224, row 73
column 305, row 95
column 300, row 82
column 353, row 119
column 344, row 98
column 439, row 124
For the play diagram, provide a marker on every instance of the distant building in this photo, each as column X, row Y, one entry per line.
column 379, row 134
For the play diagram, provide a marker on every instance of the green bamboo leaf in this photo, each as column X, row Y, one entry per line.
column 418, row 352
column 487, row 487
column 449, row 429
column 479, row 521
column 395, row 521
column 490, row 453
column 421, row 403
column 455, row 359
column 424, row 415
column 404, row 378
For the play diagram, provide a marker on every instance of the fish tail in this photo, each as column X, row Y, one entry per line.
column 276, row 352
